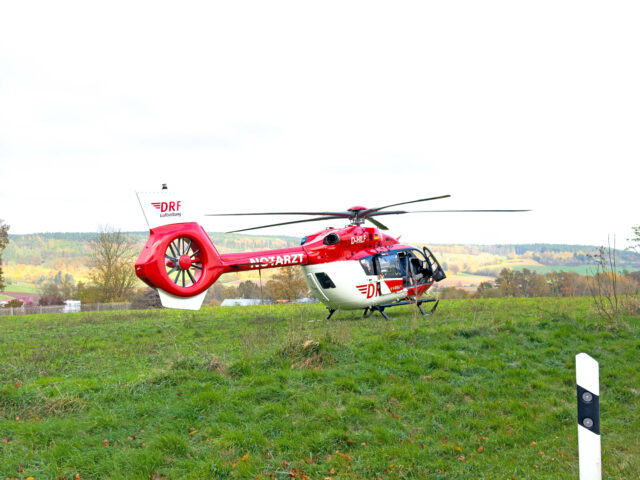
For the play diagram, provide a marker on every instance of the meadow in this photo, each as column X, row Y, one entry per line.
column 484, row 389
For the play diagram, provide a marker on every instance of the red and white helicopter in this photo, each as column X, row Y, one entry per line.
column 349, row 268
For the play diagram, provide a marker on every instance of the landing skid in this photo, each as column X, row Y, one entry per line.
column 368, row 311
column 380, row 308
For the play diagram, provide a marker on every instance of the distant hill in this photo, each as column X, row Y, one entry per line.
column 468, row 265
column 32, row 259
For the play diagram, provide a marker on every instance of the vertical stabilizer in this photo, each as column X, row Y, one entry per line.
column 165, row 207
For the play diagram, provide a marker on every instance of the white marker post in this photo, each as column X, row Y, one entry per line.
column 588, row 387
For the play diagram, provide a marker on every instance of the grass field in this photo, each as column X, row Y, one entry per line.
column 544, row 269
column 485, row 389
column 23, row 288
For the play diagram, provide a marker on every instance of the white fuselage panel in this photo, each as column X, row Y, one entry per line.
column 353, row 289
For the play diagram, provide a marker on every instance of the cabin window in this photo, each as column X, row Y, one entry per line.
column 325, row 281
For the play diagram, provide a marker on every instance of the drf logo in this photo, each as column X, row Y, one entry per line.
column 371, row 290
column 167, row 206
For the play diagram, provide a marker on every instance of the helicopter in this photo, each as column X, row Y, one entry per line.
column 349, row 268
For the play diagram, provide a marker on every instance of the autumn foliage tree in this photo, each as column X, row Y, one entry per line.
column 248, row 289
column 635, row 241
column 287, row 284
column 527, row 283
column 4, row 241
column 112, row 265
column 613, row 294
column 58, row 289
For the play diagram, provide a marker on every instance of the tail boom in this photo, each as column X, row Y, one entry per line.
column 283, row 257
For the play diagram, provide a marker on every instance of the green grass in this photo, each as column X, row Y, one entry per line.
column 483, row 389
column 22, row 288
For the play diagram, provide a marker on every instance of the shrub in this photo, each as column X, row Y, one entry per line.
column 145, row 299
column 46, row 300
column 15, row 303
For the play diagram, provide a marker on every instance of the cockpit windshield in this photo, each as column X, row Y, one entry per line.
column 411, row 265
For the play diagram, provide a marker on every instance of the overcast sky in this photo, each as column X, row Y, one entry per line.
column 271, row 106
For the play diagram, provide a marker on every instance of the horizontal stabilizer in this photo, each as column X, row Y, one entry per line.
column 184, row 303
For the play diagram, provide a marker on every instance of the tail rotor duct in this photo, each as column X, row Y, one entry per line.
column 183, row 262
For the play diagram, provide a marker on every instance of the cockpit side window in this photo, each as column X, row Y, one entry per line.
column 367, row 265
column 418, row 261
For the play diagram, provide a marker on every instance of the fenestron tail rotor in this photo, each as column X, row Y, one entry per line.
column 182, row 261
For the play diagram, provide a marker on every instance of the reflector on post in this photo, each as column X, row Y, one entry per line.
column 588, row 394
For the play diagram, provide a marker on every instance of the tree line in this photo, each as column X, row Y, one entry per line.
column 527, row 283
column 112, row 253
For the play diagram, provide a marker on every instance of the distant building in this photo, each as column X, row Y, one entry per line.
column 240, row 302
column 307, row 300
column 244, row 302
column 71, row 306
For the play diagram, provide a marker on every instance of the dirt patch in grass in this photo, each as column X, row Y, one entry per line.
column 40, row 406
column 306, row 354
column 204, row 361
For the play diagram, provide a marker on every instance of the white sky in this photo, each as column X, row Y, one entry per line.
column 266, row 106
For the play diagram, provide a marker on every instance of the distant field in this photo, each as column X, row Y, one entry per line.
column 483, row 389
column 580, row 269
column 464, row 280
column 543, row 269
column 19, row 290
column 22, row 288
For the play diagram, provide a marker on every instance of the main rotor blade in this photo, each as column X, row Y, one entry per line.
column 378, row 224
column 373, row 210
column 391, row 212
column 400, row 212
column 326, row 214
column 344, row 214
column 283, row 223
column 465, row 211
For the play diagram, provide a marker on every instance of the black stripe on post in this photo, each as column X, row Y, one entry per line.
column 588, row 410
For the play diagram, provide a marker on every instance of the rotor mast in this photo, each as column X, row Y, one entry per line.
column 355, row 219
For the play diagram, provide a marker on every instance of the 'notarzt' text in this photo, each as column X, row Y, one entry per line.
column 277, row 260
